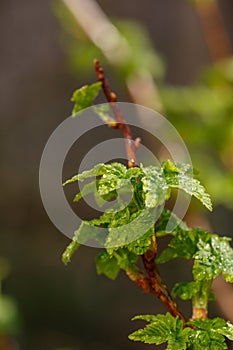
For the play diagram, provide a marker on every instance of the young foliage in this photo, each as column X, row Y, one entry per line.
column 142, row 244
column 162, row 329
column 213, row 255
column 186, row 291
column 72, row 247
column 213, row 258
column 182, row 245
column 199, row 334
column 155, row 187
column 107, row 264
column 95, row 171
column 210, row 334
column 87, row 189
column 189, row 290
column 169, row 223
column 148, row 187
column 84, row 97
column 181, row 176
column 129, row 228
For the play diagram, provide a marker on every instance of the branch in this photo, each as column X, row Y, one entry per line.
column 154, row 283
column 140, row 279
column 157, row 285
column 122, row 125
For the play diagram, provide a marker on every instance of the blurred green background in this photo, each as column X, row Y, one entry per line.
column 44, row 57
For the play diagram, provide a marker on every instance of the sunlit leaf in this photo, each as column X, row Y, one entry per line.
column 183, row 245
column 107, row 264
column 155, row 187
column 87, row 189
column 169, row 224
column 214, row 258
column 142, row 244
column 162, row 329
column 84, row 97
column 180, row 176
column 209, row 334
column 189, row 290
column 95, row 171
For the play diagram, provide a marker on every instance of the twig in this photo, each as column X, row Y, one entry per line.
column 122, row 125
column 140, row 279
column 154, row 283
column 157, row 285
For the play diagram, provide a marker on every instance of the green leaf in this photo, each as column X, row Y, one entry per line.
column 125, row 258
column 189, row 290
column 158, row 182
column 134, row 173
column 101, row 169
column 110, row 183
column 155, row 187
column 169, row 223
column 212, row 254
column 95, row 171
column 138, row 195
column 101, row 200
column 131, row 228
column 209, row 334
column 141, row 245
column 107, row 264
column 162, row 329
column 180, row 176
column 107, row 218
column 84, row 97
column 87, row 189
column 116, row 216
column 169, row 167
column 122, row 232
column 148, row 318
column 186, row 290
column 214, row 257
column 70, row 250
column 84, row 233
column 183, row 245
column 117, row 177
column 115, row 168
column 110, row 261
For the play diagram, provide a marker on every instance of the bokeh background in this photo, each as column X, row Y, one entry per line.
column 44, row 58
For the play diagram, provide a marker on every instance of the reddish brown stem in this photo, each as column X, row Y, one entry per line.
column 122, row 125
column 154, row 283
column 140, row 279
column 157, row 285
